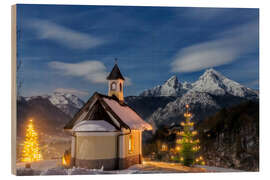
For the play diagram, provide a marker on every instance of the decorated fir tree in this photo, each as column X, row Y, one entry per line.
column 187, row 147
column 31, row 151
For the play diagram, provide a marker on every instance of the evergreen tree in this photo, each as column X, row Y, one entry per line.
column 187, row 147
column 31, row 151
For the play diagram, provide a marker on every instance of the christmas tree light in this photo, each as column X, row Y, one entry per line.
column 189, row 146
column 31, row 151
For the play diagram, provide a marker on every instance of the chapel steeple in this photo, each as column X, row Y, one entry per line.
column 116, row 83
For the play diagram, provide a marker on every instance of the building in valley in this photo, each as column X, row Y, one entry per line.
column 106, row 132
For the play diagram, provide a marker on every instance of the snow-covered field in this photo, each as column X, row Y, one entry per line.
column 53, row 167
column 218, row 169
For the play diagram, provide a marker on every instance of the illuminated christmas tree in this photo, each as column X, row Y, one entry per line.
column 187, row 147
column 31, row 151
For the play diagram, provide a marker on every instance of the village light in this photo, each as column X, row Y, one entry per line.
column 66, row 158
column 187, row 115
column 164, row 147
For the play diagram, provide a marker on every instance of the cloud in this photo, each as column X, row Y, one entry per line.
column 225, row 48
column 70, row 38
column 72, row 91
column 93, row 71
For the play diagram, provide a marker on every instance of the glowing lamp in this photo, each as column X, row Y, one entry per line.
column 64, row 161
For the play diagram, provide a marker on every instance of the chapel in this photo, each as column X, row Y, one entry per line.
column 106, row 132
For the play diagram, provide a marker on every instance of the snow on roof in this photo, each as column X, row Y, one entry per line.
column 93, row 125
column 127, row 115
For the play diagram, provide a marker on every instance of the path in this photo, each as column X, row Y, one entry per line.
column 165, row 167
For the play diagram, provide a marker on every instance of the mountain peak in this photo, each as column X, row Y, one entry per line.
column 212, row 73
column 215, row 83
column 174, row 77
column 172, row 87
column 172, row 81
column 212, row 70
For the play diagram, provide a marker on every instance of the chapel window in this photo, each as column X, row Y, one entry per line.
column 120, row 86
column 131, row 144
column 113, row 86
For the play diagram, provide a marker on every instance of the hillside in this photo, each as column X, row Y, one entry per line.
column 48, row 122
column 145, row 106
column 66, row 102
column 230, row 138
column 47, row 117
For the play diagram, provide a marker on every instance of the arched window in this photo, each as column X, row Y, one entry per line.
column 113, row 86
column 120, row 87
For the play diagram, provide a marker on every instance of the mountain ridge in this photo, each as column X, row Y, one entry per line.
column 172, row 87
column 66, row 102
column 211, row 81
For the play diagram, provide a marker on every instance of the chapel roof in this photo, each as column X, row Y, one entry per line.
column 115, row 74
column 111, row 107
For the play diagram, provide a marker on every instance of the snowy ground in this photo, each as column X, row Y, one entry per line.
column 53, row 167
column 218, row 169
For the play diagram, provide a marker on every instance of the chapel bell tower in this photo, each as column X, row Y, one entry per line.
column 116, row 83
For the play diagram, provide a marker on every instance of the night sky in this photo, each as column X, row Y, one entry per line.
column 72, row 48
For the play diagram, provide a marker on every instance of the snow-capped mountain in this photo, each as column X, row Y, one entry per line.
column 211, row 82
column 211, row 92
column 215, row 83
column 172, row 87
column 201, row 104
column 66, row 102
